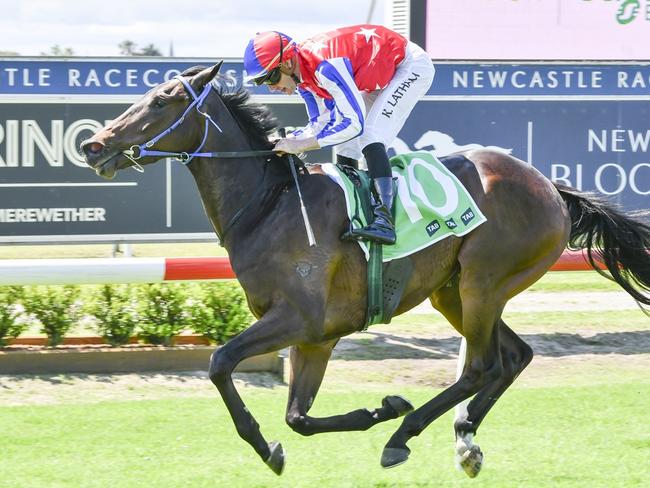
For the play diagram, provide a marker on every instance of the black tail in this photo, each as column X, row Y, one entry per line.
column 619, row 241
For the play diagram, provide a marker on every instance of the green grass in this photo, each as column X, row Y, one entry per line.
column 529, row 322
column 574, row 281
column 535, row 437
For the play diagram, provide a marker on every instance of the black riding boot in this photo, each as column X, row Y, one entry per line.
column 382, row 229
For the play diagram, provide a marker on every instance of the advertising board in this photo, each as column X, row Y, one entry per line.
column 537, row 29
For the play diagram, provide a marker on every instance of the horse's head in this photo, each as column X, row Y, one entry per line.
column 158, row 121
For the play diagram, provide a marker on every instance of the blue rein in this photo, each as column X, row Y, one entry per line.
column 136, row 152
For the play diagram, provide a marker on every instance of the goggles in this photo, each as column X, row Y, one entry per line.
column 270, row 78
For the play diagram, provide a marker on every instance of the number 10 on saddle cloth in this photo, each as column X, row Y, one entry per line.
column 431, row 204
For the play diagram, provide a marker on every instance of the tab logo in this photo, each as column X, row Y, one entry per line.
column 467, row 216
column 451, row 223
column 433, row 227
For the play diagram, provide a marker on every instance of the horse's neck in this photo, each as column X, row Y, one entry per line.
column 226, row 185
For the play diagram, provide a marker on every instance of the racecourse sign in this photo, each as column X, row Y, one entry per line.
column 120, row 77
column 585, row 125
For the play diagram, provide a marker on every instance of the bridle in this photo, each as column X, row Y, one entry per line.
column 139, row 151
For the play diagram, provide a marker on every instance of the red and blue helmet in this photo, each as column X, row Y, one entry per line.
column 265, row 52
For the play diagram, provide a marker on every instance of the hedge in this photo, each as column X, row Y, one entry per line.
column 154, row 313
column 11, row 317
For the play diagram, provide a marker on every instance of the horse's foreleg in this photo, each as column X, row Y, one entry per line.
column 515, row 356
column 272, row 332
column 308, row 364
column 482, row 366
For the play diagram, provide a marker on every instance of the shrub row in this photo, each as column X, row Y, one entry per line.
column 155, row 313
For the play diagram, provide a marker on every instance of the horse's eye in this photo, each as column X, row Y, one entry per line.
column 159, row 103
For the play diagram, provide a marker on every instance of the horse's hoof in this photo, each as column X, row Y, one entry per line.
column 471, row 461
column 399, row 404
column 275, row 460
column 394, row 456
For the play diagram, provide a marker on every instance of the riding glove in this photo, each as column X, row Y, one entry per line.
column 292, row 145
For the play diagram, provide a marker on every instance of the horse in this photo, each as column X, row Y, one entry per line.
column 307, row 297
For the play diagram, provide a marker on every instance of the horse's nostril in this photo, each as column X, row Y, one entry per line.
column 95, row 147
column 91, row 148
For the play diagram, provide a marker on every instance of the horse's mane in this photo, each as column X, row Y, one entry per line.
column 258, row 124
column 254, row 118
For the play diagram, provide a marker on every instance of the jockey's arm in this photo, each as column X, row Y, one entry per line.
column 318, row 111
column 341, row 118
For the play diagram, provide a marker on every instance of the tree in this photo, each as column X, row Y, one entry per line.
column 57, row 50
column 127, row 48
column 130, row 48
column 150, row 50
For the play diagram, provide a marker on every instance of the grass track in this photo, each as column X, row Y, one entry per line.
column 526, row 322
column 575, row 281
column 581, row 426
column 591, row 437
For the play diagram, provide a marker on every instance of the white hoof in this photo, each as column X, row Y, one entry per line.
column 469, row 457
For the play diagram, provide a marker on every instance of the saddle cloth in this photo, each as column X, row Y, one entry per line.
column 431, row 204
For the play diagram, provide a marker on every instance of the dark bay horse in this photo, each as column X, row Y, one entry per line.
column 307, row 298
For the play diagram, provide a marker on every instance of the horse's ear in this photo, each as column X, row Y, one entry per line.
column 205, row 76
column 215, row 69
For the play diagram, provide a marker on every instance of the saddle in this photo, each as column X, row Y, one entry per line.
column 431, row 204
column 386, row 281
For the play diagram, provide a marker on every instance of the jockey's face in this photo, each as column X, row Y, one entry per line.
column 286, row 84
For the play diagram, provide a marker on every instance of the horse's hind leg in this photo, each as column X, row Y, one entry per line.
column 480, row 313
column 308, row 364
column 515, row 356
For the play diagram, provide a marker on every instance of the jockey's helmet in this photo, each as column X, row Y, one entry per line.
column 264, row 54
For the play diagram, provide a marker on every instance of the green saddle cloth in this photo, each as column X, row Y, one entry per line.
column 431, row 204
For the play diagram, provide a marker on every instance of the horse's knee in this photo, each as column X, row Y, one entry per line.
column 526, row 355
column 516, row 361
column 492, row 373
column 220, row 366
column 299, row 423
column 478, row 374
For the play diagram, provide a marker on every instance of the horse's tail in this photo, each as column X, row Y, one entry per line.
column 619, row 241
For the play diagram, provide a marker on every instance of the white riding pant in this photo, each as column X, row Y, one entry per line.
column 388, row 109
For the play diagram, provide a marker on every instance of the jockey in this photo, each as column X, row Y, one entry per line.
column 359, row 85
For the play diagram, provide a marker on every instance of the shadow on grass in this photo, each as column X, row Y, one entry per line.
column 374, row 346
column 171, row 380
column 387, row 346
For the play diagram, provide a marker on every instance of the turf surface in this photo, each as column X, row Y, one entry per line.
column 552, row 436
